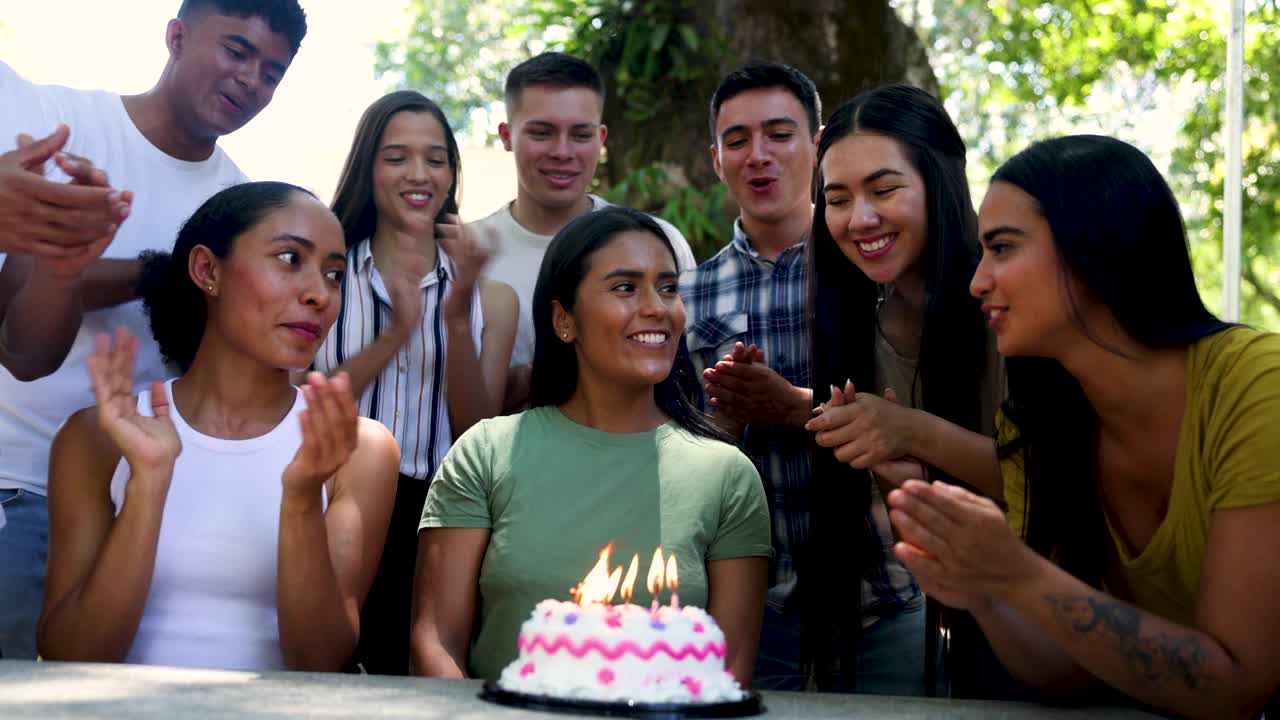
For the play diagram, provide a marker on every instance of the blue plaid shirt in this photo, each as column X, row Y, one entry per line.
column 739, row 296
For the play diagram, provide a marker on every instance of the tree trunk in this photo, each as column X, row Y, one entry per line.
column 845, row 46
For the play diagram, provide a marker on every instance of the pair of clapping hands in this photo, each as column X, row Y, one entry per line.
column 150, row 444
column 866, row 431
column 949, row 537
column 65, row 226
column 469, row 251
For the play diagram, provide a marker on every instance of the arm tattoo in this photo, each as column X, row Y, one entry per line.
column 1154, row 657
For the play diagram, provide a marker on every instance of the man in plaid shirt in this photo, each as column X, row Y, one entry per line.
column 764, row 125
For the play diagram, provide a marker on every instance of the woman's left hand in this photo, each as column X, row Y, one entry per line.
column 957, row 544
column 469, row 250
column 330, row 426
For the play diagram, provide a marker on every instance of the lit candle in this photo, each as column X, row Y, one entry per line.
column 673, row 580
column 654, row 579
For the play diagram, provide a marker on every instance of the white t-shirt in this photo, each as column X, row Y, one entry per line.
column 519, row 256
column 165, row 193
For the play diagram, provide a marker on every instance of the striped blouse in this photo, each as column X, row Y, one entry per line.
column 408, row 396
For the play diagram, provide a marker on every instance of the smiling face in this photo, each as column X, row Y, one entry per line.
column 1024, row 292
column 557, row 136
column 875, row 206
column 225, row 70
column 764, row 153
column 278, row 291
column 627, row 318
column 412, row 174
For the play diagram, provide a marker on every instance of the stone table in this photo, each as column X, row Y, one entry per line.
column 91, row 690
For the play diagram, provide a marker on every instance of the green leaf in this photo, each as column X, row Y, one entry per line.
column 659, row 36
column 689, row 35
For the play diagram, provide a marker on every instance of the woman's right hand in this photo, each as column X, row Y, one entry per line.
column 149, row 444
column 404, row 283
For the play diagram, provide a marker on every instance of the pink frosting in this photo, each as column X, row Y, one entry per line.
column 562, row 642
column 605, row 676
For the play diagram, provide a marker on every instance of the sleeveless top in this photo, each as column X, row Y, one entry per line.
column 212, row 602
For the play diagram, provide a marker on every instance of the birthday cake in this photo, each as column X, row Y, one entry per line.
column 591, row 650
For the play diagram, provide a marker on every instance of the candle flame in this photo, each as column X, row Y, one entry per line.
column 654, row 580
column 599, row 586
column 629, row 582
column 602, row 584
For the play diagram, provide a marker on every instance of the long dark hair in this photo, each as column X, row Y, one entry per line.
column 843, row 314
column 353, row 200
column 555, row 363
column 174, row 304
column 1132, row 222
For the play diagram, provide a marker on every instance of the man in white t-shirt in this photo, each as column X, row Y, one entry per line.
column 225, row 59
column 554, row 111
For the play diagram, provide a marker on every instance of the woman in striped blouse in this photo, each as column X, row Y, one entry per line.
column 425, row 340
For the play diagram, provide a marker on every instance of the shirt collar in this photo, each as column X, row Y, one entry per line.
column 742, row 243
column 444, row 264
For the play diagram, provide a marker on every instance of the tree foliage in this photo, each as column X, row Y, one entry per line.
column 1016, row 70
column 1011, row 71
column 458, row 53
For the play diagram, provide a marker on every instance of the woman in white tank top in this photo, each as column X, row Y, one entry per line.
column 224, row 519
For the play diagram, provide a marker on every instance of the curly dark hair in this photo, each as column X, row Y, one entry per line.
column 173, row 303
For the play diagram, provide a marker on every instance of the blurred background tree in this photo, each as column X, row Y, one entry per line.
column 1010, row 71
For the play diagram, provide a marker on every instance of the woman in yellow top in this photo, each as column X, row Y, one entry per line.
column 1141, row 456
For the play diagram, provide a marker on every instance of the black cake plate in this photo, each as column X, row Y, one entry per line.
column 750, row 705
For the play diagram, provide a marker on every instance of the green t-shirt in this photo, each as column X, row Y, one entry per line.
column 1227, row 457
column 553, row 493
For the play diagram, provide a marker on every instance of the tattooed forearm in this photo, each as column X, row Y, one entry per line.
column 1155, row 657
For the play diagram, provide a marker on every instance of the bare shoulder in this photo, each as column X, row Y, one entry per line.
column 373, row 467
column 376, row 445
column 82, row 455
column 82, row 436
column 497, row 295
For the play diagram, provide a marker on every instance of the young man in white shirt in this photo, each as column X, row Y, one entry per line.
column 226, row 58
column 554, row 128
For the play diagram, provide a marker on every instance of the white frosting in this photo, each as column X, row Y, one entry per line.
column 621, row 653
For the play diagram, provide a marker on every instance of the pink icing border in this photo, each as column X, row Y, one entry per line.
column 562, row 642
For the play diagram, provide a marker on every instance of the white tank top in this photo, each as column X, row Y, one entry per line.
column 212, row 602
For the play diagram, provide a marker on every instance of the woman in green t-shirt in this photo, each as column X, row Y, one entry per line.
column 611, row 451
column 1139, row 451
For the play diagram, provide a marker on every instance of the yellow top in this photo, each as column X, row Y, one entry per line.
column 1228, row 457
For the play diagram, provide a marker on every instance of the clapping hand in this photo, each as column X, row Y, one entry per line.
column 149, row 444
column 892, row 472
column 958, row 545
column 330, row 427
column 71, row 223
column 746, row 390
column 404, row 282
column 470, row 251
column 865, row 430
